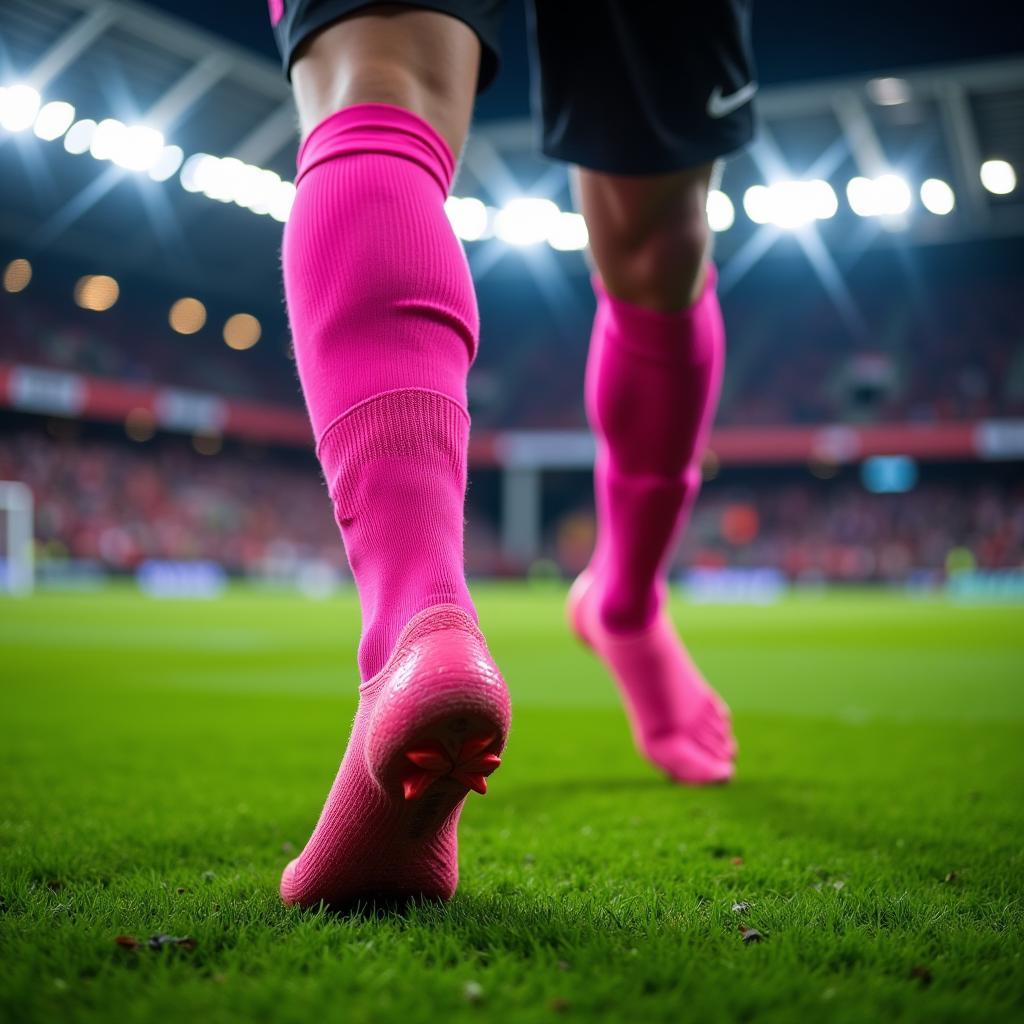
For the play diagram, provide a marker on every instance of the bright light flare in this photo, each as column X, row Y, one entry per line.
column 569, row 233
column 721, row 212
column 167, row 163
column 141, row 147
column 999, row 177
column 886, row 196
column 133, row 147
column 19, row 105
column 79, row 136
column 53, row 120
column 467, row 216
column 526, row 221
column 937, row 197
column 282, row 200
column 790, row 204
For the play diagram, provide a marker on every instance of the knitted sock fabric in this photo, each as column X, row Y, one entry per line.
column 385, row 327
column 652, row 387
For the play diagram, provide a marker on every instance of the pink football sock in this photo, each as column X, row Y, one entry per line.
column 652, row 388
column 384, row 321
column 385, row 325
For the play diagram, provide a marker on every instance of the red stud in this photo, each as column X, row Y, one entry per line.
column 485, row 764
column 475, row 745
column 415, row 785
column 471, row 780
column 431, row 757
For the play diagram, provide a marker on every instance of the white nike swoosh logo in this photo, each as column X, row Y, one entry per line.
column 719, row 105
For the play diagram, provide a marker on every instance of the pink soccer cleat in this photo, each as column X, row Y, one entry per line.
column 431, row 726
column 678, row 721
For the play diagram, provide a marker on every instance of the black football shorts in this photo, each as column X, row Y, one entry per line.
column 621, row 86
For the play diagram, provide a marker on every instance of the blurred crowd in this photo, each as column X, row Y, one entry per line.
column 957, row 353
column 114, row 504
column 118, row 504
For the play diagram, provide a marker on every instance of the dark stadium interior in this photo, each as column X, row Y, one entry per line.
column 912, row 325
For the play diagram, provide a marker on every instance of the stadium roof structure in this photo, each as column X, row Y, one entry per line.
column 839, row 165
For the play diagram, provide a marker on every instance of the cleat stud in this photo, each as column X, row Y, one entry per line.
column 472, row 781
column 415, row 785
column 485, row 764
column 475, row 745
column 433, row 758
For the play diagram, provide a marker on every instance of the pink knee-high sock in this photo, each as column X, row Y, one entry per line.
column 651, row 390
column 385, row 326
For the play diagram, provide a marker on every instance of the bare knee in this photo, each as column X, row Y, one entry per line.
column 649, row 236
column 413, row 58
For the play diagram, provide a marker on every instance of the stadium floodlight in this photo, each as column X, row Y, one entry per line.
column 999, row 177
column 17, row 560
column 138, row 148
column 790, row 204
column 885, row 196
column 525, row 221
column 194, row 172
column 167, row 163
column 222, row 178
column 937, row 197
column 19, row 105
column 106, row 139
column 468, row 217
column 721, row 213
column 281, row 202
column 569, row 233
column 53, row 120
column 79, row 136
column 255, row 188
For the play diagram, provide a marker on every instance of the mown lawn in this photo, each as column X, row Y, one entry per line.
column 160, row 761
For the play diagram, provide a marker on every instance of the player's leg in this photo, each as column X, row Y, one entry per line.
column 636, row 111
column 653, row 376
column 384, row 323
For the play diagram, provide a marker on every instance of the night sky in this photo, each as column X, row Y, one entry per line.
column 793, row 40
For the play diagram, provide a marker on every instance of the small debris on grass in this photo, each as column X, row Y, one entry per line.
column 952, row 878
column 740, row 908
column 559, row 1004
column 156, row 942
column 563, row 965
column 921, row 974
column 473, row 992
column 287, row 847
column 838, row 884
column 736, row 861
column 209, row 876
column 749, row 935
column 159, row 941
column 181, row 890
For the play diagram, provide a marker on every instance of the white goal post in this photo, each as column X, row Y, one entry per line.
column 17, row 562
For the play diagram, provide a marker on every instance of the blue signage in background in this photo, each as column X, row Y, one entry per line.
column 159, row 578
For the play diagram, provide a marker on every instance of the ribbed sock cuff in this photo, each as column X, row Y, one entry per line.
column 378, row 128
column 423, row 428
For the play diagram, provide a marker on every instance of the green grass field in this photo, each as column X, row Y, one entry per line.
column 162, row 760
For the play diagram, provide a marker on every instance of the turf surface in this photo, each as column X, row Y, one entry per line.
column 162, row 760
